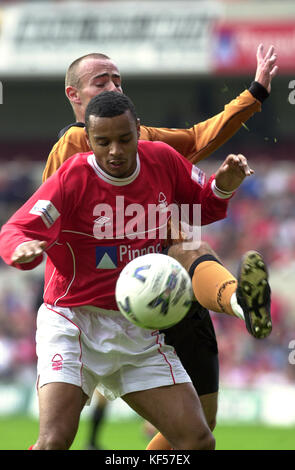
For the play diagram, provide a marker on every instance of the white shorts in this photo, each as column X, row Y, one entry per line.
column 91, row 347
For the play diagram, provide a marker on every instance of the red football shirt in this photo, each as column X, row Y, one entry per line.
column 95, row 224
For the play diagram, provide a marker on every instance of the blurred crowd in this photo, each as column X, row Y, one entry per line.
column 261, row 217
column 19, row 295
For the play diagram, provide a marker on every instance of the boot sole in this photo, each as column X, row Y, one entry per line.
column 253, row 294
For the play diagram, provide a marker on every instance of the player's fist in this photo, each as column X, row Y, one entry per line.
column 232, row 172
column 28, row 251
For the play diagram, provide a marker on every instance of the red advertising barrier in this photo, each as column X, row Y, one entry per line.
column 235, row 45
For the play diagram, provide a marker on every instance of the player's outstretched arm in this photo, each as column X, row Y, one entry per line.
column 206, row 137
column 28, row 251
column 232, row 173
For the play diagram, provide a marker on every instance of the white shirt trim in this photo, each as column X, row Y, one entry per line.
column 112, row 179
column 219, row 193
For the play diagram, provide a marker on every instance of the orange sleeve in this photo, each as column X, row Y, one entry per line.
column 195, row 143
column 204, row 138
column 73, row 141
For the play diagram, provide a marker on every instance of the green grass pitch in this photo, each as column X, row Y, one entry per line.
column 18, row 433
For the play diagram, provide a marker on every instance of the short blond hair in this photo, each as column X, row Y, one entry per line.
column 72, row 77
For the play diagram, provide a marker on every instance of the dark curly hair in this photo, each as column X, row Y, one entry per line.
column 109, row 104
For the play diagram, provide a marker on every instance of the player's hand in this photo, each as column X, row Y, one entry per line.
column 266, row 68
column 232, row 172
column 28, row 251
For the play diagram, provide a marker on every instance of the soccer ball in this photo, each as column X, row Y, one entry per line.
column 154, row 291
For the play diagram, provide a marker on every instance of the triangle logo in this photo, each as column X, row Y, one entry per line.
column 106, row 263
column 106, row 257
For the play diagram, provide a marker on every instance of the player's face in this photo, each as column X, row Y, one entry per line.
column 114, row 143
column 96, row 76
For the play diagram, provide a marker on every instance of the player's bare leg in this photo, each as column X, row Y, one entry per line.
column 209, row 404
column 177, row 413
column 60, row 405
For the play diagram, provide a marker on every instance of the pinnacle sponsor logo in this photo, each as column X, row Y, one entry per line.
column 106, row 257
column 112, row 257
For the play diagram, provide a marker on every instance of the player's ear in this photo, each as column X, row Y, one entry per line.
column 87, row 138
column 73, row 94
column 138, row 127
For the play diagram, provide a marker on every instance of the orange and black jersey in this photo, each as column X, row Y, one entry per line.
column 195, row 143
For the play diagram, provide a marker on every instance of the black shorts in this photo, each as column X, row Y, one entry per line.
column 195, row 343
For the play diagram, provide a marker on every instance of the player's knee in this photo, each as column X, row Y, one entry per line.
column 185, row 255
column 53, row 441
column 206, row 441
column 201, row 440
column 205, row 249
